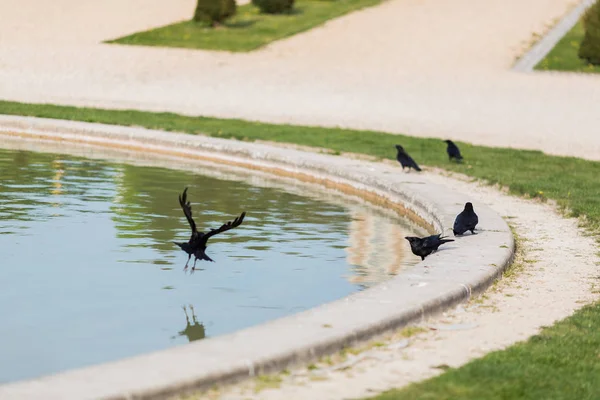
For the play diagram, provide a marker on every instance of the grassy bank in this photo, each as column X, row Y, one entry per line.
column 562, row 362
column 248, row 29
column 563, row 57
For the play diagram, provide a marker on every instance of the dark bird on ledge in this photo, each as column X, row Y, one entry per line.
column 423, row 247
column 465, row 221
column 196, row 246
column 405, row 160
column 453, row 151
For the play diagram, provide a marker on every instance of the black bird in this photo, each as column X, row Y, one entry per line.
column 406, row 160
column 465, row 221
column 453, row 151
column 423, row 247
column 196, row 246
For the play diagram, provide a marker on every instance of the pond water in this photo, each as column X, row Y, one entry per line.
column 89, row 273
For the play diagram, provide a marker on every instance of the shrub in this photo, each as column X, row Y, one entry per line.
column 214, row 12
column 590, row 45
column 274, row 6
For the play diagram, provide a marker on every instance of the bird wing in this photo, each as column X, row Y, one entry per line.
column 428, row 241
column 187, row 210
column 433, row 240
column 407, row 160
column 456, row 152
column 458, row 222
column 414, row 164
column 226, row 226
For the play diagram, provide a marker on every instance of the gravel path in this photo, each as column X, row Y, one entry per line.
column 424, row 67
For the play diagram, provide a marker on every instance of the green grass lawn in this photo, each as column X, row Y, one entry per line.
column 563, row 362
column 248, row 29
column 563, row 57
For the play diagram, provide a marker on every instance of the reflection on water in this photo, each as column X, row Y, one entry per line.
column 195, row 330
column 375, row 243
column 87, row 256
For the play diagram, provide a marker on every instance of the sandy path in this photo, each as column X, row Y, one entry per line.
column 557, row 279
column 426, row 67
column 66, row 22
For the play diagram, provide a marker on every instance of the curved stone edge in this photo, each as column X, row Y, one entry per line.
column 461, row 268
column 541, row 49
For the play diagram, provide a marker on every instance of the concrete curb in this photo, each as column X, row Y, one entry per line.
column 468, row 265
column 537, row 53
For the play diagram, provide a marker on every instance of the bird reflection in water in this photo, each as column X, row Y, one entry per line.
column 193, row 331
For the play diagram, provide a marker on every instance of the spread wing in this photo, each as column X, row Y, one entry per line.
column 226, row 226
column 187, row 210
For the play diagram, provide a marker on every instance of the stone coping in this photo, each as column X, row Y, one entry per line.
column 468, row 265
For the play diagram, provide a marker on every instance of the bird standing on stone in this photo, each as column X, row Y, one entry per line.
column 465, row 221
column 405, row 160
column 453, row 151
column 196, row 245
column 423, row 247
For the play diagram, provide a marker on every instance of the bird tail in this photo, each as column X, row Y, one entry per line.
column 206, row 258
column 417, row 167
column 443, row 239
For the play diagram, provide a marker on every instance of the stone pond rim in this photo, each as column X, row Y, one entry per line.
column 464, row 267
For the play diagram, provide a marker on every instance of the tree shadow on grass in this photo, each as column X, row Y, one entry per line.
column 241, row 24
column 294, row 11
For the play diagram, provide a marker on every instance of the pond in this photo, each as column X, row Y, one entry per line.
column 89, row 272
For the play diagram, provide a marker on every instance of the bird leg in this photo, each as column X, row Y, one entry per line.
column 194, row 267
column 186, row 264
column 187, row 319
column 194, row 315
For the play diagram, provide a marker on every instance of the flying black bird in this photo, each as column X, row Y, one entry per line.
column 406, row 160
column 453, row 151
column 196, row 246
column 423, row 247
column 465, row 221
